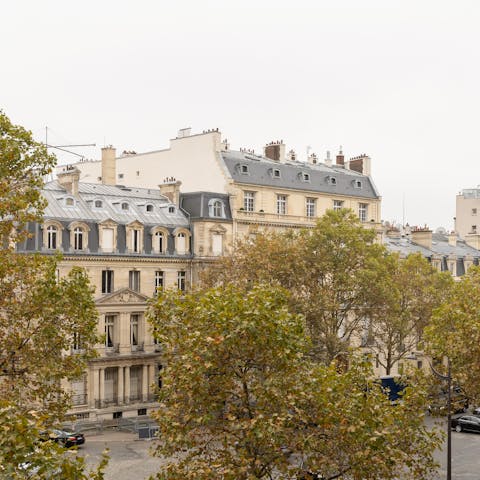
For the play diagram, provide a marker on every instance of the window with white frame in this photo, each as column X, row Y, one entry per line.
column 216, row 208
column 158, row 281
column 337, row 205
column 149, row 208
column 107, row 239
column 134, row 280
column 98, row 204
column 249, row 201
column 78, row 240
column 79, row 390
column 69, row 202
column 134, row 329
column 52, row 237
column 135, row 241
column 310, row 207
column 217, row 244
column 125, row 206
column 181, row 280
column 181, row 243
column 160, row 244
column 363, row 211
column 77, row 342
column 107, row 281
column 109, row 330
column 281, row 204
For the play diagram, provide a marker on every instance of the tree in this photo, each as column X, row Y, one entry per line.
column 327, row 269
column 406, row 292
column 454, row 332
column 241, row 398
column 41, row 317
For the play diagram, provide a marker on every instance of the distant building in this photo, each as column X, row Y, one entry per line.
column 268, row 191
column 467, row 216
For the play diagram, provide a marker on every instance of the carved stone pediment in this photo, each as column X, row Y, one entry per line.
column 123, row 296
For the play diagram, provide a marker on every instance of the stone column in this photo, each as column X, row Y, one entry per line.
column 127, row 384
column 95, row 387
column 120, row 385
column 145, row 383
column 101, row 372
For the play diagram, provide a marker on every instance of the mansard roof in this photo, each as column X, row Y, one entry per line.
column 111, row 197
column 290, row 175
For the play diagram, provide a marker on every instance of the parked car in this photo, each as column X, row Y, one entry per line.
column 467, row 423
column 67, row 439
column 438, row 402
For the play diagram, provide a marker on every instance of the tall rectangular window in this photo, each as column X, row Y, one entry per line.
column 337, row 205
column 249, row 201
column 136, row 241
column 107, row 281
column 363, row 211
column 134, row 280
column 109, row 330
column 281, row 204
column 134, row 329
column 310, row 207
column 181, row 278
column 52, row 237
column 158, row 281
column 107, row 239
column 217, row 244
column 78, row 239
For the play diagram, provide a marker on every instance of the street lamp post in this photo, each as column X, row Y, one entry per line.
column 448, row 379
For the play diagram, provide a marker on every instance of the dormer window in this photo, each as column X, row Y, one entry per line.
column 98, row 204
column 306, row 177
column 149, row 208
column 52, row 235
column 69, row 202
column 244, row 169
column 216, row 208
column 125, row 206
column 357, row 183
column 331, row 180
column 276, row 173
column 171, row 209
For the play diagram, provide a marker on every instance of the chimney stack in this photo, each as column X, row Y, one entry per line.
column 452, row 239
column 422, row 236
column 275, row 151
column 171, row 189
column 109, row 176
column 361, row 164
column 328, row 160
column 340, row 158
column 69, row 178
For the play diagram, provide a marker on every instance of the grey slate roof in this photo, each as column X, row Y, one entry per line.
column 291, row 173
column 196, row 204
column 112, row 197
column 404, row 246
column 441, row 246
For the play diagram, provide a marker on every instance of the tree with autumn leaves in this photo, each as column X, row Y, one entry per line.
column 41, row 317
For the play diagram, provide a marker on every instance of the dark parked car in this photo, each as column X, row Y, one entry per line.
column 67, row 439
column 467, row 423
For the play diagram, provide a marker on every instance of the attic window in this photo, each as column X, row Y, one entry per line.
column 331, row 180
column 276, row 173
column 125, row 206
column 149, row 208
column 244, row 169
column 306, row 177
column 69, row 202
column 171, row 209
column 98, row 204
column 120, row 175
column 358, row 184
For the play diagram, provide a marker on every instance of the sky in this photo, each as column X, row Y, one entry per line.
column 397, row 80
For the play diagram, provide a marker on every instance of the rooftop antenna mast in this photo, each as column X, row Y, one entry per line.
column 63, row 147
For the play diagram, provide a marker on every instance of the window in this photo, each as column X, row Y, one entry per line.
column 78, row 238
column 362, row 211
column 217, row 244
column 107, row 239
column 181, row 243
column 181, row 277
column 149, row 208
column 249, row 201
column 281, row 204
column 331, row 180
column 158, row 281
column 216, row 208
column 358, row 184
column 244, row 169
column 134, row 280
column 77, row 342
column 310, row 207
column 107, row 281
column 69, row 202
column 306, row 177
column 52, row 233
column 474, row 211
column 98, row 204
column 474, row 229
column 109, row 330
column 337, row 205
column 136, row 241
column 120, row 175
column 134, row 329
column 171, row 209
column 276, row 173
column 160, row 244
column 125, row 206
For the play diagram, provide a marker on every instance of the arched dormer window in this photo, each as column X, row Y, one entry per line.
column 171, row 209
column 125, row 207
column 78, row 236
column 182, row 241
column 52, row 235
column 98, row 204
column 149, row 208
column 135, row 237
column 159, row 240
column 216, row 208
column 69, row 202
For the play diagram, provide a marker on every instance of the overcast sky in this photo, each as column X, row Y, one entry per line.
column 398, row 80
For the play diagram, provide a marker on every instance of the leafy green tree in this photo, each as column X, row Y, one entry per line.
column 41, row 317
column 241, row 398
column 406, row 292
column 327, row 270
column 454, row 332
